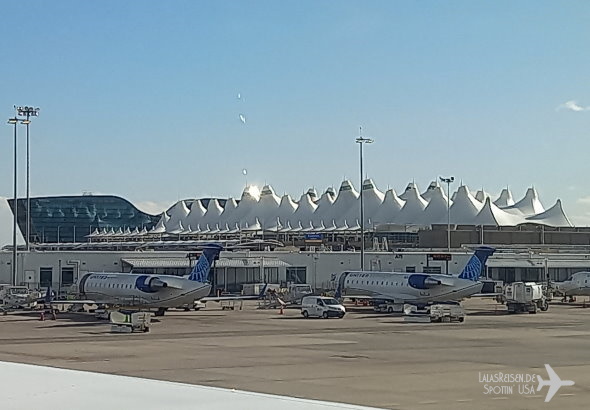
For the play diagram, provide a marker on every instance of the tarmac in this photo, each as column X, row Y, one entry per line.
column 367, row 358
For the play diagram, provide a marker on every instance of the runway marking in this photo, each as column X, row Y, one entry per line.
column 463, row 400
column 428, row 402
column 499, row 398
column 567, row 394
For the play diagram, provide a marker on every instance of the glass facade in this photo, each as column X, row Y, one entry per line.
column 72, row 218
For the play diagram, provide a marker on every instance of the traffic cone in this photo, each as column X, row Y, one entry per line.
column 281, row 310
column 42, row 316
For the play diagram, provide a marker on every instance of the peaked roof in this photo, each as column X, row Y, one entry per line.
column 412, row 210
column 529, row 205
column 346, row 204
column 389, row 208
column 178, row 213
column 267, row 208
column 465, row 207
column 433, row 186
column 505, row 199
column 437, row 210
column 372, row 200
column 554, row 216
column 214, row 210
column 491, row 215
column 304, row 212
column 196, row 213
column 286, row 209
column 481, row 195
column 324, row 208
column 411, row 186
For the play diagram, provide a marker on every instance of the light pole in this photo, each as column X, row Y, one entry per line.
column 361, row 141
column 14, row 121
column 27, row 112
column 448, row 182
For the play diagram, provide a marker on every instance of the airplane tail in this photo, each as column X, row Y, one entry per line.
column 48, row 295
column 201, row 270
column 474, row 267
column 262, row 293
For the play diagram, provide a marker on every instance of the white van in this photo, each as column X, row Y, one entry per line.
column 321, row 306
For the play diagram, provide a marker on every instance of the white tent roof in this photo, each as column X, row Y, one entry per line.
column 286, row 209
column 529, row 205
column 324, row 208
column 411, row 212
column 437, row 210
column 554, row 216
column 481, row 195
column 161, row 225
column 267, row 209
column 389, row 208
column 228, row 215
column 491, row 215
column 505, row 199
column 411, row 186
column 195, row 216
column 372, row 200
column 177, row 213
column 332, row 213
column 213, row 214
column 433, row 186
column 245, row 212
column 304, row 212
column 314, row 194
column 346, row 205
column 465, row 207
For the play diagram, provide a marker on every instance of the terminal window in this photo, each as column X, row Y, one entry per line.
column 67, row 276
column 297, row 275
column 45, row 277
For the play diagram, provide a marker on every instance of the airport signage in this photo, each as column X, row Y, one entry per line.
column 313, row 237
column 440, row 256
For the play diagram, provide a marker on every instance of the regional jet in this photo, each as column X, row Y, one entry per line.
column 419, row 289
column 577, row 285
column 554, row 383
column 133, row 291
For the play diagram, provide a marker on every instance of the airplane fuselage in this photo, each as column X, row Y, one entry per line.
column 408, row 287
column 125, row 289
column 577, row 285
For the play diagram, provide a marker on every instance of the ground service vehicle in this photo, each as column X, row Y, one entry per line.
column 321, row 306
column 525, row 297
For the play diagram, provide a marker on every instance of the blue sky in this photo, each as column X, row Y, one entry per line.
column 140, row 98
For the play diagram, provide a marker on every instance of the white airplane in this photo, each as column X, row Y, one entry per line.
column 416, row 288
column 71, row 389
column 554, row 383
column 577, row 285
column 133, row 291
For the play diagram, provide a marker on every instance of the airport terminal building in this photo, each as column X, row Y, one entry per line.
column 279, row 240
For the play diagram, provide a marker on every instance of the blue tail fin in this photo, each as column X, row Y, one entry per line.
column 48, row 296
column 201, row 270
column 262, row 293
column 474, row 267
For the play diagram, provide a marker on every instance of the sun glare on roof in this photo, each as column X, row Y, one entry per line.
column 254, row 191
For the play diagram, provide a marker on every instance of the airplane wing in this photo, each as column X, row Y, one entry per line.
column 551, row 373
column 551, row 392
column 78, row 390
column 554, row 383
